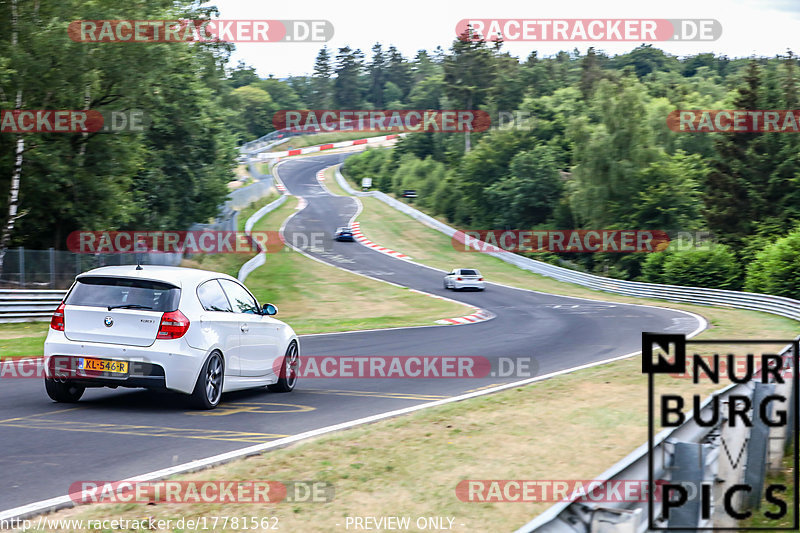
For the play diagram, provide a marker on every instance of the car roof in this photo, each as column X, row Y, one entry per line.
column 179, row 276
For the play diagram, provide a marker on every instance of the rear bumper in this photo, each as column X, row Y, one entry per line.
column 480, row 285
column 166, row 364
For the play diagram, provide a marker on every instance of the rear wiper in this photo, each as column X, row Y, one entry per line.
column 128, row 306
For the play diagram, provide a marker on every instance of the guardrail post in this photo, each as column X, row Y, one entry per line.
column 788, row 361
column 52, row 268
column 21, row 266
column 688, row 467
column 757, row 447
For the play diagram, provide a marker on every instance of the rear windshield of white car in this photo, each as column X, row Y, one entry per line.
column 469, row 273
column 122, row 293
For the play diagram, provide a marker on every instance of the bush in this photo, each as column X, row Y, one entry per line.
column 776, row 269
column 713, row 267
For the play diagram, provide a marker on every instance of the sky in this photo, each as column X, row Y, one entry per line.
column 749, row 27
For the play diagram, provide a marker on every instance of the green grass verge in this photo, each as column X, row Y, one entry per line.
column 784, row 477
column 410, row 466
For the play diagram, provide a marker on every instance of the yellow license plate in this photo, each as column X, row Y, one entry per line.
column 103, row 365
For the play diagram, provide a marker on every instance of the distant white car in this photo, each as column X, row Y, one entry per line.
column 181, row 329
column 464, row 278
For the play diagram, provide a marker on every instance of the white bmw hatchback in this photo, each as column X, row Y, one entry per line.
column 192, row 331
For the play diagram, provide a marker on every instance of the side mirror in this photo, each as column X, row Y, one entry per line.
column 269, row 310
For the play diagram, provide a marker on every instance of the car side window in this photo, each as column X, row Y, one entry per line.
column 212, row 297
column 240, row 299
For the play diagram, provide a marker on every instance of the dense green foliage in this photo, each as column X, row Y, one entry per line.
column 588, row 146
column 775, row 270
column 590, row 149
column 168, row 175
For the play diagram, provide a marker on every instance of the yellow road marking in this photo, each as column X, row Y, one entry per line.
column 145, row 431
column 40, row 414
column 252, row 407
column 482, row 388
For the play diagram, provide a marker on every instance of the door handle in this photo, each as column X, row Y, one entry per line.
column 244, row 328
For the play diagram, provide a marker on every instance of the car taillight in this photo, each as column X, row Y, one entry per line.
column 480, row 279
column 57, row 322
column 173, row 325
column 459, row 279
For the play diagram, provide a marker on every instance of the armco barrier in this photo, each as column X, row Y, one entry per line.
column 260, row 258
column 19, row 305
column 687, row 453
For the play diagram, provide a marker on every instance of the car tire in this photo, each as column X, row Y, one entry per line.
column 287, row 380
column 63, row 392
column 445, row 286
column 208, row 388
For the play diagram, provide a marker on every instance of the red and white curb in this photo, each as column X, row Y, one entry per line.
column 329, row 146
column 480, row 315
column 321, row 175
column 356, row 227
column 280, row 187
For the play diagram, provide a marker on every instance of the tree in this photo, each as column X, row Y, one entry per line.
column 255, row 110
column 108, row 180
column 377, row 76
column 775, row 269
column 398, row 71
column 733, row 200
column 321, row 83
column 528, row 197
column 469, row 74
column 609, row 156
column 347, row 85
column 243, row 75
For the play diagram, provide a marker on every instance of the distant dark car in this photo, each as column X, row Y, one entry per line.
column 344, row 234
column 409, row 193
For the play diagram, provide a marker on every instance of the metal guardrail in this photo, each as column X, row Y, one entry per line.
column 19, row 305
column 720, row 456
column 260, row 258
column 690, row 448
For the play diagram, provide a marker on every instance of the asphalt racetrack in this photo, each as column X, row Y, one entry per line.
column 116, row 434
